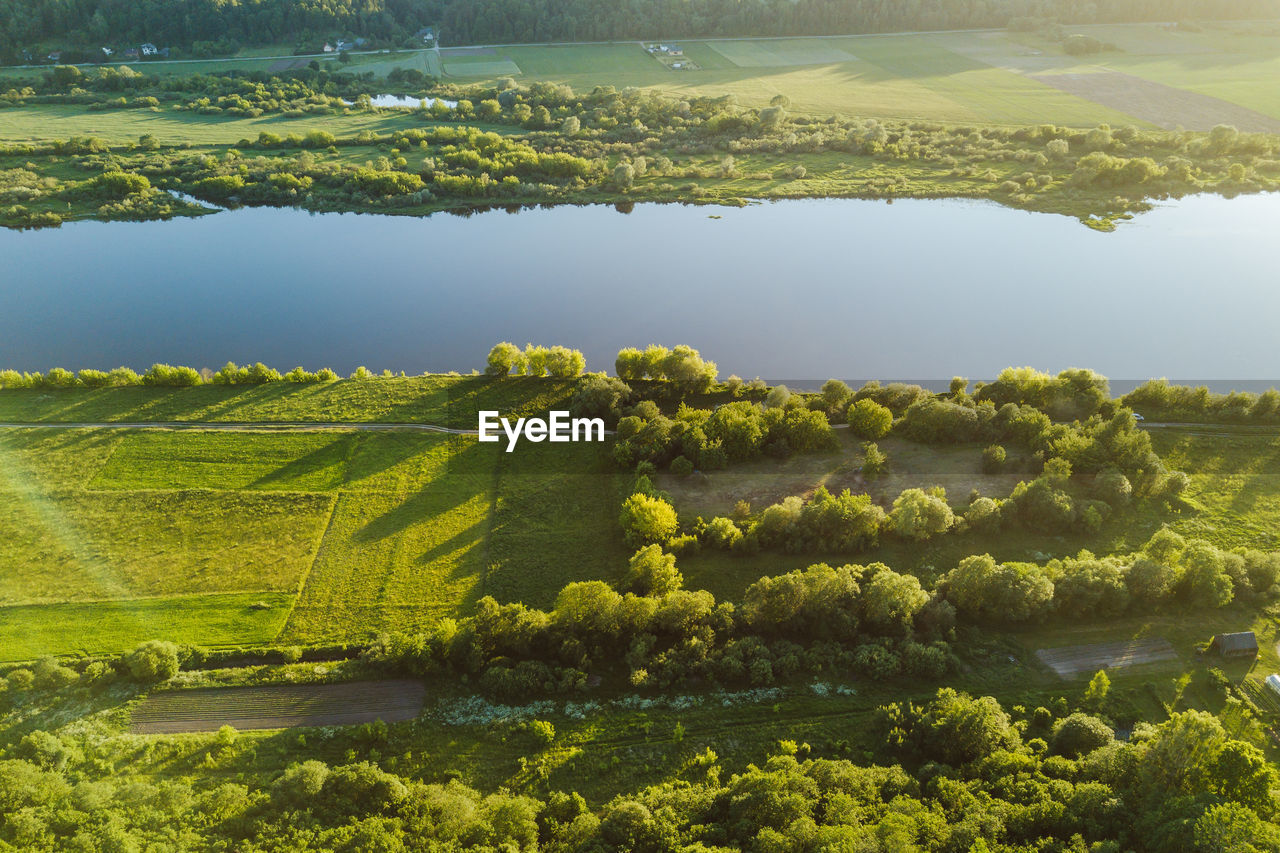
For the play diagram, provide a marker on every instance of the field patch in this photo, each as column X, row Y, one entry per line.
column 775, row 54
column 111, row 627
column 1074, row 661
column 1164, row 106
column 481, row 68
column 303, row 462
column 405, row 543
column 555, row 521
column 278, row 706
column 82, row 546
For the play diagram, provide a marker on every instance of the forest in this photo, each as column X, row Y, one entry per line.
column 207, row 27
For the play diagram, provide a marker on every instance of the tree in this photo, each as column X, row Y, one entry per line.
column 873, row 460
column 957, row 728
column 647, row 520
column 723, row 533
column 890, row 601
column 1005, row 592
column 1096, row 693
column 570, row 126
column 1151, row 581
column 505, row 357
column 919, row 515
column 154, row 660
column 624, row 176
column 993, row 459
column 1205, row 580
column 651, row 572
column 599, row 396
column 868, row 419
column 1080, row 734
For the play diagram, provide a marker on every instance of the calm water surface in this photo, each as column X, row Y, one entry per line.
column 793, row 289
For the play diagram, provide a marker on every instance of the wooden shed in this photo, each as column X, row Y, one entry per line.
column 1242, row 644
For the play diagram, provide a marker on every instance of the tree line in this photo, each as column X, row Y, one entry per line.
column 206, row 27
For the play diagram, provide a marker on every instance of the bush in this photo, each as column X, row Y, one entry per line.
column 647, row 520
column 154, row 660
column 920, row 515
column 651, row 572
column 868, row 419
column 993, row 459
column 681, row 466
column 723, row 533
column 169, row 376
column 1080, row 734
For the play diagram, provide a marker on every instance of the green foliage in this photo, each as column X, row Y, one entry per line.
column 868, row 419
column 154, row 660
column 647, row 520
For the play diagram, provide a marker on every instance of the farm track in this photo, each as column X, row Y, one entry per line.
column 278, row 706
column 245, row 426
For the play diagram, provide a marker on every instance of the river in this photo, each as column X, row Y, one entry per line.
column 796, row 289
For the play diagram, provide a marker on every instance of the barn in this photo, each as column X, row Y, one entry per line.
column 1242, row 644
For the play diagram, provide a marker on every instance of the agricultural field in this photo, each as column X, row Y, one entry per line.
column 1157, row 77
column 368, row 530
column 278, row 706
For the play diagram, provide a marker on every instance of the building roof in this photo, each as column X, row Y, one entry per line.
column 1239, row 641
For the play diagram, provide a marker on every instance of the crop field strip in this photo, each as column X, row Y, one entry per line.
column 278, row 706
column 1079, row 661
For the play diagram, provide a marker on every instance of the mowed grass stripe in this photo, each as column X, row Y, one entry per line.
column 111, row 627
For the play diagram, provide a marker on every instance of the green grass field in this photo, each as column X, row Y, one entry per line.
column 370, row 531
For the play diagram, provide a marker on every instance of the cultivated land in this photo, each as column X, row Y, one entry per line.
column 986, row 77
column 1177, row 78
column 278, row 707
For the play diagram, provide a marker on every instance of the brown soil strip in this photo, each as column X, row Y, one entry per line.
column 278, row 706
column 1071, row 661
column 287, row 65
column 1165, row 106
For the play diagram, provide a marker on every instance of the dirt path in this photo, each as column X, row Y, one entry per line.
column 244, row 426
column 278, row 706
column 1164, row 106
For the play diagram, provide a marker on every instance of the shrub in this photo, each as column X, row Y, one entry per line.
column 681, row 466
column 869, row 419
column 154, row 660
column 920, row 515
column 1080, row 734
column 647, row 520
column 993, row 459
column 169, row 376
column 723, row 533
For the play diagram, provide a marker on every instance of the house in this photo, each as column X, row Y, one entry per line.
column 149, row 49
column 675, row 51
column 328, row 48
column 677, row 65
column 427, row 34
column 1242, row 644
